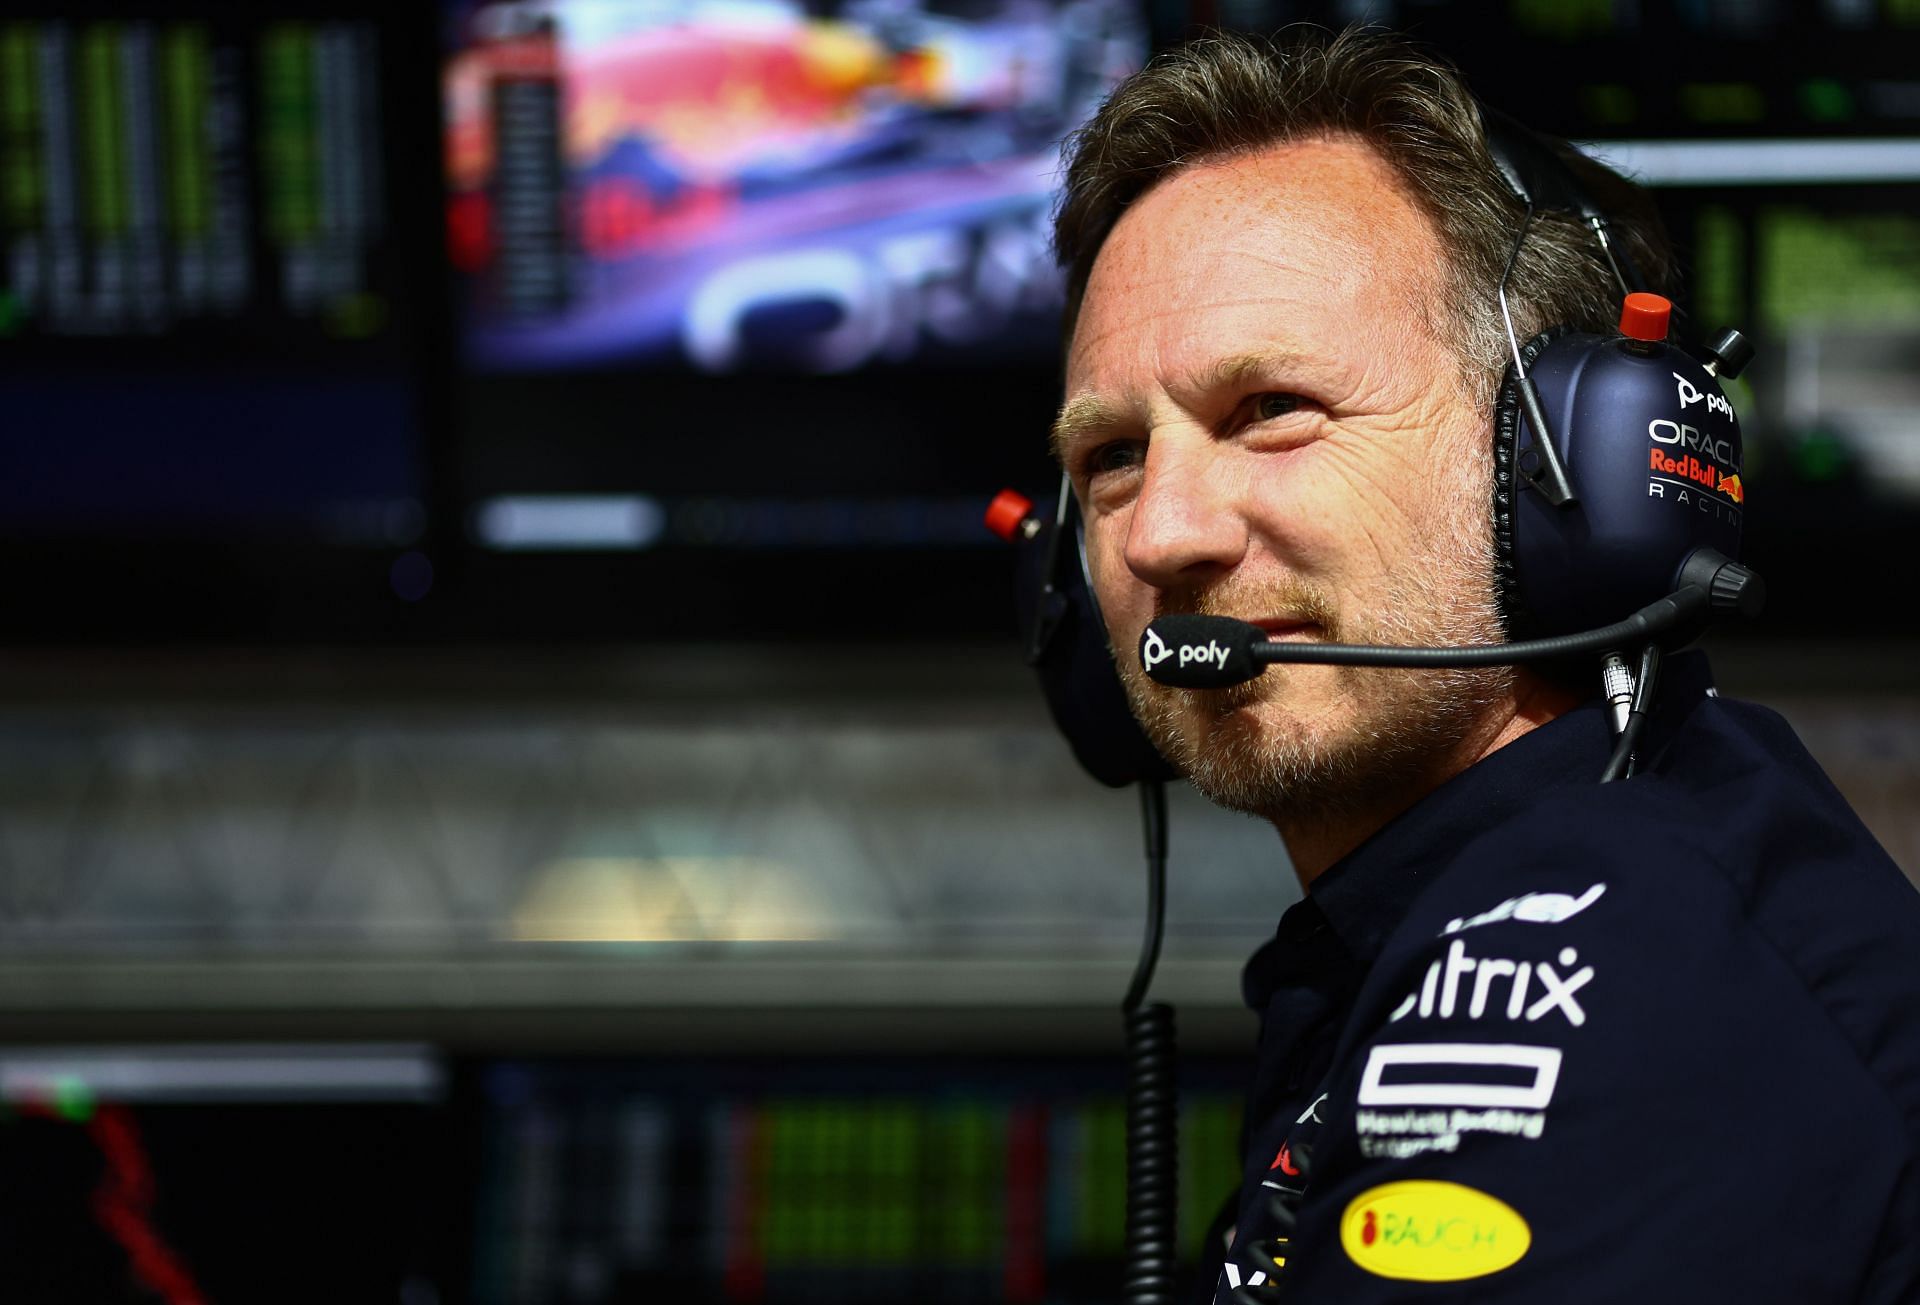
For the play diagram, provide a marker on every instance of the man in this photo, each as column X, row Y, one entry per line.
column 1526, row 1038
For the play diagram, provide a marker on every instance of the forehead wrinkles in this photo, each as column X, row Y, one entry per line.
column 1375, row 356
column 1319, row 217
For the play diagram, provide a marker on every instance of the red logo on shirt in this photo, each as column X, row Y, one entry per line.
column 1284, row 1163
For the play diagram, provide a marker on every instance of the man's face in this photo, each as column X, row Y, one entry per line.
column 1264, row 420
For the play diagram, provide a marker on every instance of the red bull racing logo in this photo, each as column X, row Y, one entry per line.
column 1687, row 468
column 1694, row 467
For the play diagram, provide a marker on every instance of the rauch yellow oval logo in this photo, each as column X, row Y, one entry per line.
column 1432, row 1232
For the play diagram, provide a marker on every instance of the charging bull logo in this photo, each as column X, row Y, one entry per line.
column 1731, row 487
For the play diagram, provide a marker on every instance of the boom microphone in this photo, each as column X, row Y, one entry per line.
column 1200, row 652
column 1217, row 652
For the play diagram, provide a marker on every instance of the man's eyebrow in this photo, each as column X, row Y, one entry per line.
column 1082, row 415
column 1087, row 414
column 1230, row 372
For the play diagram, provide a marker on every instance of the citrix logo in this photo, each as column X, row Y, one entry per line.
column 1534, row 989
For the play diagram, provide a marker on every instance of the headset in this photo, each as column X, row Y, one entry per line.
column 1617, row 508
column 1616, row 487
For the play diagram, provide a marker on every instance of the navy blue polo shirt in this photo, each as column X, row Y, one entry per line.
column 1541, row 1039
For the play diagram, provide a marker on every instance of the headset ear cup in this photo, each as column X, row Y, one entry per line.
column 1653, row 449
column 1067, row 641
column 1508, row 485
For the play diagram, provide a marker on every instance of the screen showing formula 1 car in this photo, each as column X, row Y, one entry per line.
column 764, row 186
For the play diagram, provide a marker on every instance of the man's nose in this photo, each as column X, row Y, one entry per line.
column 1186, row 527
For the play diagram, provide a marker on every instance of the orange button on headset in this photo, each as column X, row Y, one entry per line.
column 1644, row 316
column 1008, row 509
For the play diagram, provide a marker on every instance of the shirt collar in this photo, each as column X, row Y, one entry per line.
column 1361, row 899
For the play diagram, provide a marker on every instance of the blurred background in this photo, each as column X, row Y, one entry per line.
column 517, row 782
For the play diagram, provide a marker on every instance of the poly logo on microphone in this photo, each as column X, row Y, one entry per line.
column 1199, row 652
column 1207, row 654
column 1153, row 649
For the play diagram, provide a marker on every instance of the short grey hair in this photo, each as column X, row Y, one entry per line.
column 1223, row 95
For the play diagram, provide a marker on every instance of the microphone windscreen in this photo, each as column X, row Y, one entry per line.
column 1200, row 652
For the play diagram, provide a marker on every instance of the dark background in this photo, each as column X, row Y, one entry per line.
column 736, row 924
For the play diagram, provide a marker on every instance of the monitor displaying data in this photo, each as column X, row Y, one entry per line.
column 844, row 1181
column 185, row 176
column 316, row 1174
column 216, row 301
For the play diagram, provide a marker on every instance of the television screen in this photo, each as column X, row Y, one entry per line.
column 729, row 185
column 850, row 1179
column 198, row 1172
column 216, row 311
column 756, row 304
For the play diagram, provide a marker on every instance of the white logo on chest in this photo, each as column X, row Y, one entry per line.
column 1534, row 908
column 1472, row 986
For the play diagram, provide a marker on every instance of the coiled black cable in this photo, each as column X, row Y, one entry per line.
column 1153, row 1105
column 1153, row 1257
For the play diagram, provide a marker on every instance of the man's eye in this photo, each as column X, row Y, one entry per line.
column 1120, row 455
column 1269, row 406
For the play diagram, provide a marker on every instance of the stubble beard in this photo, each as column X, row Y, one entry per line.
column 1380, row 731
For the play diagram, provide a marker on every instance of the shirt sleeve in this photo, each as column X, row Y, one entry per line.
column 1602, row 1088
